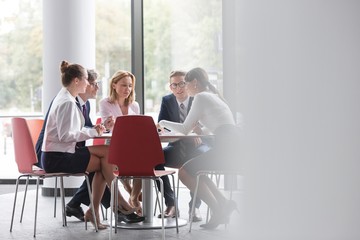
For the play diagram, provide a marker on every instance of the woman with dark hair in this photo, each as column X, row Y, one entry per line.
column 214, row 115
column 64, row 128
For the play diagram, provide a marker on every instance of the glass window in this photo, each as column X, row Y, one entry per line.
column 113, row 40
column 20, row 71
column 180, row 35
column 21, row 57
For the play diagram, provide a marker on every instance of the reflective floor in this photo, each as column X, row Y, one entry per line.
column 49, row 227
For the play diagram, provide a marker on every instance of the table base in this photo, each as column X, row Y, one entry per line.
column 155, row 224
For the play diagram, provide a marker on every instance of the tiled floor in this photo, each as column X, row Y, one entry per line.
column 49, row 227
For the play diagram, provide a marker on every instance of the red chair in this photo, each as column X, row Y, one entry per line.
column 135, row 148
column 35, row 126
column 25, row 158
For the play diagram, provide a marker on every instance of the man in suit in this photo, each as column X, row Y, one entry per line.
column 73, row 208
column 174, row 107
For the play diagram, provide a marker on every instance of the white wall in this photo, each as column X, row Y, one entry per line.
column 297, row 69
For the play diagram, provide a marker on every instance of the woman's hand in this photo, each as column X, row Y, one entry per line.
column 159, row 128
column 197, row 141
column 197, row 129
column 100, row 129
column 109, row 123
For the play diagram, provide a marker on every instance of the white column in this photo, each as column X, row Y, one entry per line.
column 68, row 34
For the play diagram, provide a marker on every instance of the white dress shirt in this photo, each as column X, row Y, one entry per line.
column 65, row 125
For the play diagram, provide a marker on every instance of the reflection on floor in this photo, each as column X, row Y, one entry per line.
column 49, row 227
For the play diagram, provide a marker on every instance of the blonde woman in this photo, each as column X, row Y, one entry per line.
column 121, row 102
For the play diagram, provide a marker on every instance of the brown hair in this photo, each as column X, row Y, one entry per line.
column 69, row 72
column 116, row 78
column 177, row 73
column 202, row 79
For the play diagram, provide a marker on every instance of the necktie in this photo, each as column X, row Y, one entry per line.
column 84, row 110
column 182, row 112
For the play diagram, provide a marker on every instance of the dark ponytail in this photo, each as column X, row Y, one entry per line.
column 203, row 80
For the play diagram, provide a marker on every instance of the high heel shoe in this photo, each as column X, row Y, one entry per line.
column 89, row 217
column 222, row 217
column 215, row 221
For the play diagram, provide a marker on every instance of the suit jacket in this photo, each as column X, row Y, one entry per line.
column 170, row 108
column 88, row 122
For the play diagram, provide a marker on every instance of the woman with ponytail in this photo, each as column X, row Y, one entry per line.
column 214, row 115
column 65, row 127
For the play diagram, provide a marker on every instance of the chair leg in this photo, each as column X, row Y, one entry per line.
column 13, row 211
column 176, row 205
column 62, row 196
column 157, row 202
column 25, row 194
column 193, row 203
column 36, row 203
column 55, row 195
column 162, row 207
column 112, row 199
column 178, row 185
column 116, row 203
column 91, row 204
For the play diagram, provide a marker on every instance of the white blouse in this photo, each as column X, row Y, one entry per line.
column 108, row 109
column 207, row 109
column 65, row 125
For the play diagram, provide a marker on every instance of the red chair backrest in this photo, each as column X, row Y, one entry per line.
column 135, row 146
column 25, row 155
column 35, row 126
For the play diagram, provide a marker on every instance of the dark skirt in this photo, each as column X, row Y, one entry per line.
column 224, row 154
column 77, row 162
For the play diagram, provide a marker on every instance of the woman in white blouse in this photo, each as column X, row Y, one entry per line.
column 210, row 110
column 64, row 128
column 121, row 101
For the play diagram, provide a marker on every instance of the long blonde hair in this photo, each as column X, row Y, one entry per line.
column 116, row 78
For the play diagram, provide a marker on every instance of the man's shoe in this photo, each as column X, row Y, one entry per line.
column 169, row 212
column 75, row 211
column 129, row 218
column 197, row 216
